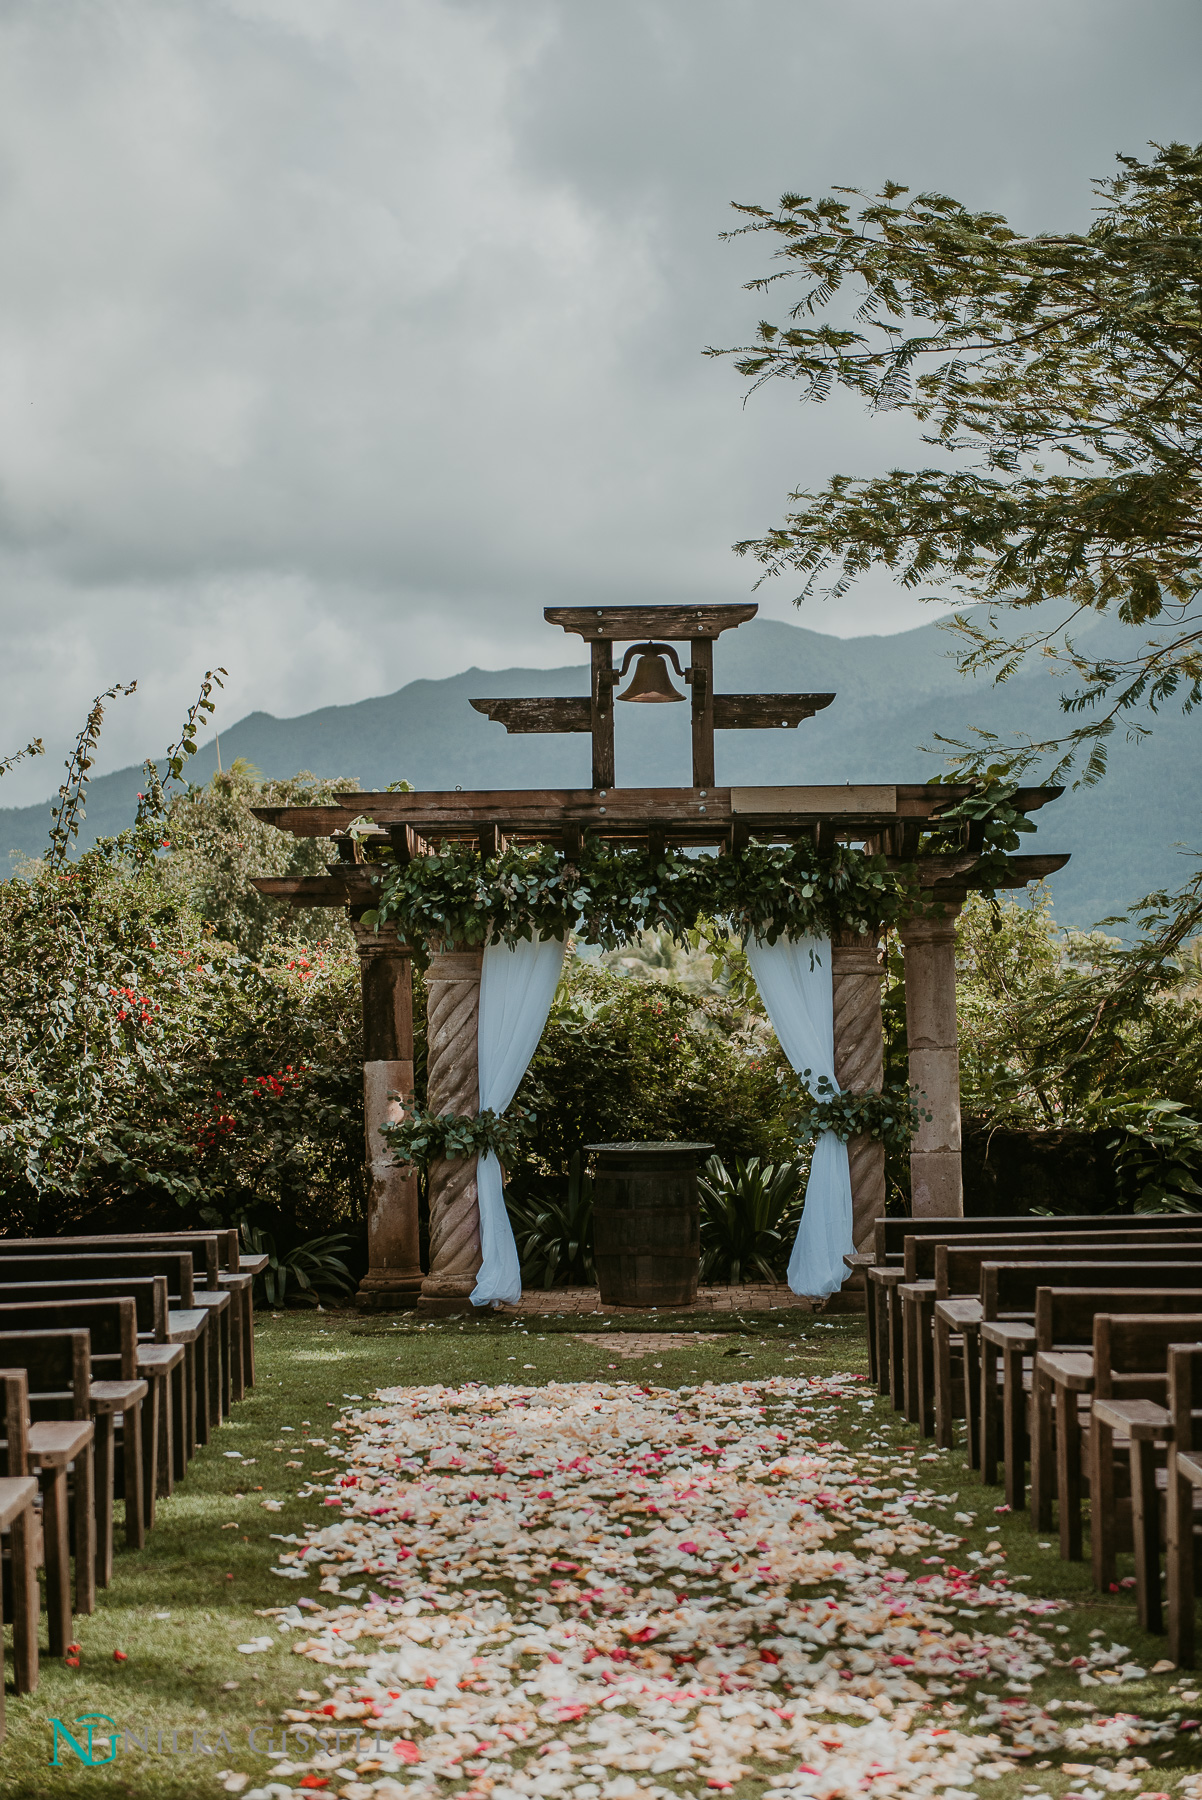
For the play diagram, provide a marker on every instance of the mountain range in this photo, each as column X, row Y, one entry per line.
column 893, row 695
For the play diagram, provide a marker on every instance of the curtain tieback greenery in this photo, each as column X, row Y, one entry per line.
column 422, row 1136
column 891, row 1115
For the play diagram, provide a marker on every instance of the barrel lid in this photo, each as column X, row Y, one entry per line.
column 665, row 1145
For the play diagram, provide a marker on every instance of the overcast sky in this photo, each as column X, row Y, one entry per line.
column 338, row 337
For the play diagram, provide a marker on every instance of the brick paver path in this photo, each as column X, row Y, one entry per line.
column 755, row 1297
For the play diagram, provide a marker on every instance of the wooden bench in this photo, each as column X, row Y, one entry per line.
column 204, row 1293
column 186, row 1323
column 160, row 1363
column 18, row 1496
column 118, row 1391
column 1009, row 1294
column 26, row 1549
column 56, row 1366
column 1171, row 1516
column 1129, row 1363
column 238, row 1269
column 959, row 1275
column 950, row 1311
column 883, row 1267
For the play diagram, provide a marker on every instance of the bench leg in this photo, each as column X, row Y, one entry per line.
column 200, row 1372
column 184, row 1439
column 1101, row 1506
column 237, row 1378
column 170, row 1430
column 248, row 1338
column 944, row 1430
column 150, row 1451
column 58, row 1559
column 1068, row 1472
column 105, row 1477
column 135, row 1475
column 972, row 1389
column 910, row 1359
column 27, row 1602
column 219, row 1369
column 1014, row 1432
column 924, row 1320
column 1145, row 1520
column 1179, row 1568
column 987, row 1434
column 1043, row 1452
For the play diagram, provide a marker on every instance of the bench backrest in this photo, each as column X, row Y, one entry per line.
column 1184, row 1401
column 58, row 1365
column 177, row 1267
column 890, row 1234
column 202, row 1247
column 148, row 1293
column 957, row 1271
column 14, row 1419
column 922, row 1255
column 1064, row 1317
column 229, row 1249
column 1008, row 1290
column 112, row 1326
column 1131, row 1355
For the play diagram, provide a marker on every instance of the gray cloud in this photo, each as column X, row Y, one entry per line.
column 338, row 337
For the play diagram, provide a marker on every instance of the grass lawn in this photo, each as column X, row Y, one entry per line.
column 179, row 1609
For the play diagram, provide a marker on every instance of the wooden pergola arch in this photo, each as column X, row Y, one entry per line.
column 886, row 818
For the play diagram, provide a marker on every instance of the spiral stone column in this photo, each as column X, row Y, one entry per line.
column 394, row 1274
column 857, row 970
column 453, row 1085
column 936, row 1180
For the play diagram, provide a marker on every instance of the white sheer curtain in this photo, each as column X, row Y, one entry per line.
column 794, row 979
column 517, row 986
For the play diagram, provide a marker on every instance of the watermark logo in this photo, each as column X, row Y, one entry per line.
column 88, row 1756
column 101, row 1746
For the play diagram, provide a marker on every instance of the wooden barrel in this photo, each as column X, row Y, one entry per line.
column 647, row 1223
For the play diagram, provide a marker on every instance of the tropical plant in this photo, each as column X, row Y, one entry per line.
column 749, row 1218
column 1061, row 375
column 315, row 1267
column 1157, row 1153
column 553, row 1228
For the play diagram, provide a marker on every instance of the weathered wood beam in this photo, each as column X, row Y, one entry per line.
column 700, row 677
column 564, row 713
column 306, row 821
column 349, row 885
column 626, row 623
column 765, row 712
column 601, row 712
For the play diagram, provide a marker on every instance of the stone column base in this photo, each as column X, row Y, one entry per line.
column 443, row 1296
column 388, row 1290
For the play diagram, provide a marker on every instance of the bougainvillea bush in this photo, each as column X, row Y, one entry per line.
column 150, row 1071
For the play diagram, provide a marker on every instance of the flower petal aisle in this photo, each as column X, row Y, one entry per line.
column 617, row 1591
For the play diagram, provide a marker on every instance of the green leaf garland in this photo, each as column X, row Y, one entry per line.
column 423, row 1137
column 891, row 1115
column 608, row 894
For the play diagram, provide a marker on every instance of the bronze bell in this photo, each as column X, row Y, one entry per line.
column 651, row 680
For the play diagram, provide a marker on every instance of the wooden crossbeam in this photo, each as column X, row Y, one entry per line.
column 351, row 884
column 766, row 712
column 732, row 712
column 699, row 815
column 562, row 713
column 624, row 624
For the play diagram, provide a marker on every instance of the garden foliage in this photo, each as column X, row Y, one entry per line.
column 1056, row 376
